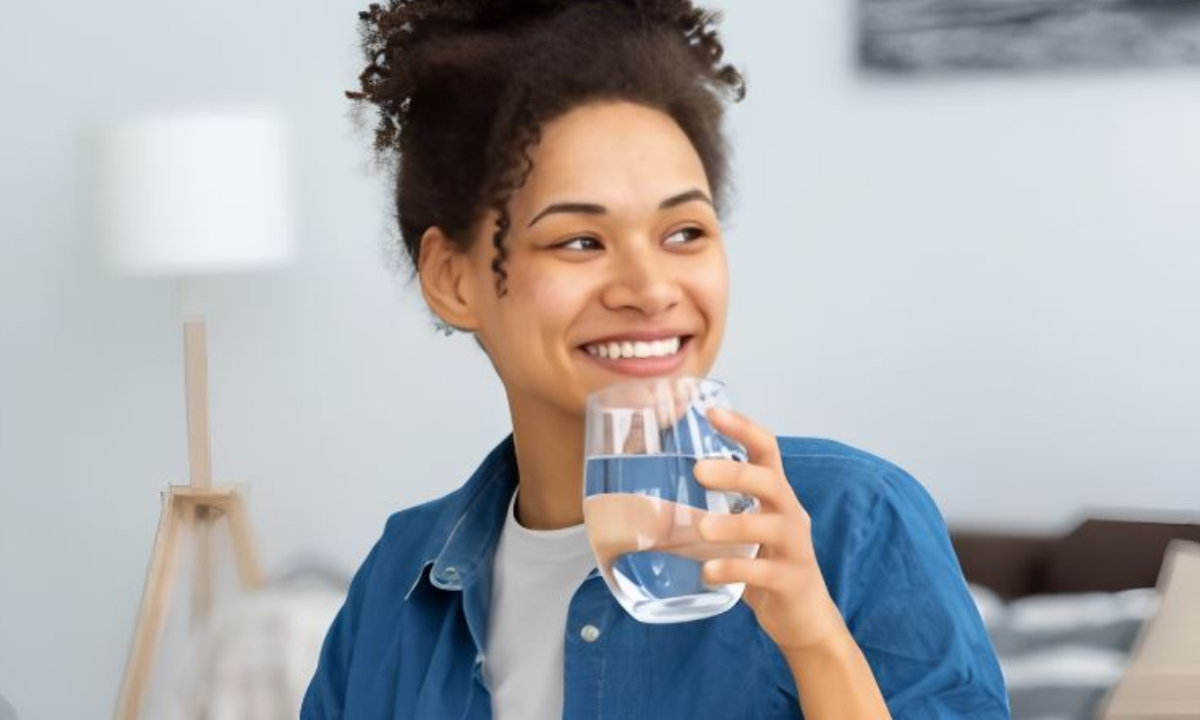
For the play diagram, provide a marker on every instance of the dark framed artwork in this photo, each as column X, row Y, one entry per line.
column 917, row 36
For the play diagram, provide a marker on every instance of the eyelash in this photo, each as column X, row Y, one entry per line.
column 698, row 231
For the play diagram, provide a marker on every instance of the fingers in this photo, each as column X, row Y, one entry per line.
column 759, row 572
column 760, row 443
column 769, row 530
column 757, row 481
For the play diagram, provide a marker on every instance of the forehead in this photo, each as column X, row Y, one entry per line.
column 627, row 157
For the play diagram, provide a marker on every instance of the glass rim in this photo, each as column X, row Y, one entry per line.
column 597, row 396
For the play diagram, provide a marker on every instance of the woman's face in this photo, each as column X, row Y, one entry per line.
column 612, row 235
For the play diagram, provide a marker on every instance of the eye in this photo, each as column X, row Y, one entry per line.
column 583, row 239
column 697, row 232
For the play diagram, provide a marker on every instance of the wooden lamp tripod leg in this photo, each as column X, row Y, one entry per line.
column 188, row 508
column 249, row 569
column 156, row 598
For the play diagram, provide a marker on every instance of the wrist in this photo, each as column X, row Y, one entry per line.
column 832, row 645
column 833, row 677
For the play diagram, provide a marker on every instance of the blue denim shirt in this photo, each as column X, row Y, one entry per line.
column 409, row 640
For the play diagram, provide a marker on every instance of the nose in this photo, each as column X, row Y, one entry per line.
column 644, row 280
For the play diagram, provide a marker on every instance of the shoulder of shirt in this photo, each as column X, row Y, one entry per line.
column 424, row 527
column 811, row 463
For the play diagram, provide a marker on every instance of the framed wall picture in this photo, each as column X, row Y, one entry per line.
column 924, row 36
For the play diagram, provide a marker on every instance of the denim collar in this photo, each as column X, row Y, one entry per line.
column 475, row 515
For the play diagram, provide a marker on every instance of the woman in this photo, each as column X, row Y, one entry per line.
column 560, row 177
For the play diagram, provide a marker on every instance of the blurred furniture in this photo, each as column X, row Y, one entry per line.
column 185, row 193
column 1097, row 555
column 1065, row 613
column 257, row 654
column 1163, row 676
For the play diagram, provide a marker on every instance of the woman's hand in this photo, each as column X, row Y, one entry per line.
column 784, row 586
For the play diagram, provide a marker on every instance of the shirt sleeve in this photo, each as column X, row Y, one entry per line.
column 325, row 698
column 907, row 605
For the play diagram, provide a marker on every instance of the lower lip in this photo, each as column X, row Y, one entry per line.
column 643, row 367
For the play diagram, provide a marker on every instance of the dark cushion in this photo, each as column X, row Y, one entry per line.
column 1097, row 556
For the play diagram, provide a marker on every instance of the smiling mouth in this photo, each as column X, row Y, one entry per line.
column 659, row 360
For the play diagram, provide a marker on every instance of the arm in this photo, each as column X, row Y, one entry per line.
column 784, row 584
column 895, row 633
column 834, row 679
column 325, row 698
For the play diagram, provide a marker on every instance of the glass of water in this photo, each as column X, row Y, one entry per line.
column 641, row 500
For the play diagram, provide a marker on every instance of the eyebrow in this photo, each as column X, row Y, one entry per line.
column 593, row 209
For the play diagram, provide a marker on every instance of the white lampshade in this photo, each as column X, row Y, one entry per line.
column 184, row 193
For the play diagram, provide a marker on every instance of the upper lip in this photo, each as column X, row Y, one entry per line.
column 642, row 335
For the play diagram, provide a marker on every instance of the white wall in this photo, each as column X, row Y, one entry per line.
column 990, row 281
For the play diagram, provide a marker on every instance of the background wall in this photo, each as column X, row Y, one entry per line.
column 990, row 281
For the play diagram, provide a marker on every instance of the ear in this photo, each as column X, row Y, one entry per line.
column 446, row 280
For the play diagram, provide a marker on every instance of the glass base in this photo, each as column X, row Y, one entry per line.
column 685, row 608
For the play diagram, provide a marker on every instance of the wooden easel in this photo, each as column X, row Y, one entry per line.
column 194, row 507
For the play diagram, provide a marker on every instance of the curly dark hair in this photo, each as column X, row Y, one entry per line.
column 463, row 87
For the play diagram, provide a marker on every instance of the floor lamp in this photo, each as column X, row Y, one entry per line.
column 186, row 194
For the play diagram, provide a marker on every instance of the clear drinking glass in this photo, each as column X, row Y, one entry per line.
column 641, row 500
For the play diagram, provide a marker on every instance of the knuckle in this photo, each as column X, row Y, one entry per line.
column 804, row 522
column 742, row 469
column 766, row 482
column 761, row 575
column 781, row 525
column 744, row 524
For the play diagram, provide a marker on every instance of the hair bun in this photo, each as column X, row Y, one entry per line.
column 463, row 88
column 392, row 37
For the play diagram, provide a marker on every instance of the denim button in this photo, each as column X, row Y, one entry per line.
column 590, row 633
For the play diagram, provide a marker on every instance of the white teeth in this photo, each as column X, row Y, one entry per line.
column 638, row 349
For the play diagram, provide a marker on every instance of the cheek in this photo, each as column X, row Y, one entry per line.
column 710, row 286
column 554, row 299
column 547, row 300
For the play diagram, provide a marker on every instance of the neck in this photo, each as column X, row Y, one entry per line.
column 549, row 449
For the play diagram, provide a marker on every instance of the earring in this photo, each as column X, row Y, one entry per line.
column 446, row 328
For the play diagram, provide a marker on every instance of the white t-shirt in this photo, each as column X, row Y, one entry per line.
column 534, row 576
